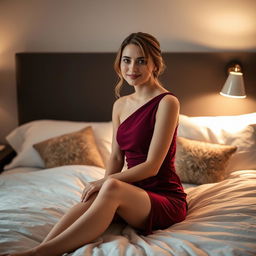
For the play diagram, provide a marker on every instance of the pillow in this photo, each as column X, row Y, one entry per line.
column 237, row 130
column 76, row 148
column 23, row 137
column 191, row 130
column 199, row 162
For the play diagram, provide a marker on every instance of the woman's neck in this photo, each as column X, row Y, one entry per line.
column 145, row 92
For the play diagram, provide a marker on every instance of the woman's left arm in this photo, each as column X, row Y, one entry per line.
column 166, row 121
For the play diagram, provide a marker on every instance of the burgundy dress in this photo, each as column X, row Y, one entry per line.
column 168, row 200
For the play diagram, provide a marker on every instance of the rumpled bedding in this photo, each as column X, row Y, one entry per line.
column 221, row 218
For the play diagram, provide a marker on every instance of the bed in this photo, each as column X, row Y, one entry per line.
column 216, row 160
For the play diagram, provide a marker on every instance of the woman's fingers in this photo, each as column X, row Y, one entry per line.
column 88, row 191
column 82, row 197
column 84, row 193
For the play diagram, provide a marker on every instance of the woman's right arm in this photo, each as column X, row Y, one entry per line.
column 116, row 161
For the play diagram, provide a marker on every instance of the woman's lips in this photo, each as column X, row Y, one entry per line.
column 133, row 76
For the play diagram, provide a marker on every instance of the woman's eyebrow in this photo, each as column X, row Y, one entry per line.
column 127, row 57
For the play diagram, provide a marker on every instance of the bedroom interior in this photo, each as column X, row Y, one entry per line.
column 57, row 79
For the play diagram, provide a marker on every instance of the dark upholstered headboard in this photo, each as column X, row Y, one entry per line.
column 80, row 86
column 65, row 86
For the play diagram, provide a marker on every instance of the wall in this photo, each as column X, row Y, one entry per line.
column 100, row 25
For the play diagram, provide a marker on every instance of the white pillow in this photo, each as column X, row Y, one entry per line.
column 237, row 130
column 191, row 130
column 23, row 137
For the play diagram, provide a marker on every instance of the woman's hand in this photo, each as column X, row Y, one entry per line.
column 91, row 188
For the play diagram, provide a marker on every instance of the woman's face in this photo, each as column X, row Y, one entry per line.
column 136, row 69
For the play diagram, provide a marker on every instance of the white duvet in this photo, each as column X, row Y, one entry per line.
column 221, row 218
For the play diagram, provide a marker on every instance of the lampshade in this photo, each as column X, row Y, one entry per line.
column 234, row 85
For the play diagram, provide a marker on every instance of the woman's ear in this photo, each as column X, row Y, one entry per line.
column 155, row 71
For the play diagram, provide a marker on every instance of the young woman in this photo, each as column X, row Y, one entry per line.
column 148, row 195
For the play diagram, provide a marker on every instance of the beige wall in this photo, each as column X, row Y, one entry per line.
column 100, row 25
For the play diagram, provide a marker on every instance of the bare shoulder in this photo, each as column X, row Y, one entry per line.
column 168, row 111
column 169, row 102
column 120, row 106
column 120, row 102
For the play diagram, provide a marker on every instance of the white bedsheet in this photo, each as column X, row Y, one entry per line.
column 221, row 218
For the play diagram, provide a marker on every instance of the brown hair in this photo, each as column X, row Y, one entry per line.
column 149, row 46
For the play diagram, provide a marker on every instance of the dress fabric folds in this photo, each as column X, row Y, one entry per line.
column 168, row 199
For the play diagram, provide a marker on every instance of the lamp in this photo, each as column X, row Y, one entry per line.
column 234, row 85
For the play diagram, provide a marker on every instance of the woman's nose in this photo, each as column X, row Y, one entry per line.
column 133, row 66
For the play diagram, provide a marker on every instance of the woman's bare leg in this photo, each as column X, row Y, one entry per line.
column 69, row 218
column 114, row 196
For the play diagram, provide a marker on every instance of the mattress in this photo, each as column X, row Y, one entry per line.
column 220, row 221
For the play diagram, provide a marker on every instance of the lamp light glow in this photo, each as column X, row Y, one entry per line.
column 234, row 85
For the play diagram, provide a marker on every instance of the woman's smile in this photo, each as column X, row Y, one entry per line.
column 133, row 76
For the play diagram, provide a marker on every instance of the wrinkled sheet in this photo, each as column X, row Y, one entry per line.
column 221, row 218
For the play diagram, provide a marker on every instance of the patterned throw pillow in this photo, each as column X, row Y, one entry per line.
column 199, row 162
column 76, row 148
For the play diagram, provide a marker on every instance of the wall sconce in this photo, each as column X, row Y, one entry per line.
column 234, row 85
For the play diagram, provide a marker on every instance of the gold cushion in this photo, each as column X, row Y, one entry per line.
column 76, row 148
column 200, row 162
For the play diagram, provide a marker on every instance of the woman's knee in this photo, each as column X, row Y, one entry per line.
column 110, row 187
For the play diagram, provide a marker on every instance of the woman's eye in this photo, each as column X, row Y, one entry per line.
column 142, row 62
column 125, row 60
